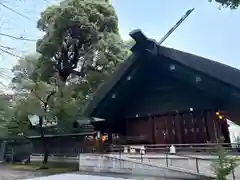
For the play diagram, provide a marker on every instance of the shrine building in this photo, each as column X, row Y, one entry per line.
column 161, row 95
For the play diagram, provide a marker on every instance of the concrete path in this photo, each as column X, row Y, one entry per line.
column 74, row 177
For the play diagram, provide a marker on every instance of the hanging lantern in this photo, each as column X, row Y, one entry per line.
column 219, row 115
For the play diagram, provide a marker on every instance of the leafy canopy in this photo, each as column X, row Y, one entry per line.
column 81, row 46
column 81, row 36
column 232, row 4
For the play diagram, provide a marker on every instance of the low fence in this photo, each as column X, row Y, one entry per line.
column 199, row 164
column 75, row 149
column 207, row 148
column 203, row 147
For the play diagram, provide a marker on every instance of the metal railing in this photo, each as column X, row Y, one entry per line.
column 197, row 164
column 118, row 162
column 182, row 149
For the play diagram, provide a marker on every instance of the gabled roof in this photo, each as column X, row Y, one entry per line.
column 218, row 71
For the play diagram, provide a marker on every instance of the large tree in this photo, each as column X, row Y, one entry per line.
column 81, row 46
column 41, row 100
column 81, row 38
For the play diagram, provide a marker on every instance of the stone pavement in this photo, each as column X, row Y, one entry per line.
column 99, row 176
column 8, row 174
column 74, row 177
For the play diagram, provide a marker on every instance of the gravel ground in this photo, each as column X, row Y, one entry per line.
column 8, row 174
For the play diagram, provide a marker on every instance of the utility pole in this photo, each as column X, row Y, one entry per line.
column 176, row 26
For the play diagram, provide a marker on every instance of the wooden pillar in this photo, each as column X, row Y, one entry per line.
column 178, row 129
column 191, row 129
column 166, row 132
column 160, row 130
column 212, row 127
column 153, row 129
column 200, row 128
column 187, row 128
column 170, row 129
column 225, row 130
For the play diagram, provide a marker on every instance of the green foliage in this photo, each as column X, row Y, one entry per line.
column 129, row 43
column 224, row 165
column 18, row 123
column 81, row 46
column 81, row 37
column 25, row 69
column 37, row 101
column 5, row 113
column 232, row 4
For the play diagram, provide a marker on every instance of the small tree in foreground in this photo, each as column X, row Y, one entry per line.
column 224, row 165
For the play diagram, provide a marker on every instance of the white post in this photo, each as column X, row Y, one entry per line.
column 132, row 149
column 172, row 149
column 142, row 150
column 125, row 149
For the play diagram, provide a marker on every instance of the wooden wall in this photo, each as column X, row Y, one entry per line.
column 140, row 130
column 185, row 128
column 64, row 145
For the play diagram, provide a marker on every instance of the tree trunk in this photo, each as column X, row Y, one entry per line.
column 45, row 149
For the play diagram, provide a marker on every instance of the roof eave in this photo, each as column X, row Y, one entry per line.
column 142, row 44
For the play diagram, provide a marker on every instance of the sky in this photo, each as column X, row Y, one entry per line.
column 16, row 25
column 207, row 32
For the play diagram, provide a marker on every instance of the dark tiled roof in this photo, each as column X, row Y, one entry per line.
column 216, row 70
column 225, row 73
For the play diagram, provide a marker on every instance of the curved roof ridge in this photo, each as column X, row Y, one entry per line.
column 220, row 71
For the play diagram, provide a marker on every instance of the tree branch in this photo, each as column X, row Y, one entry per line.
column 39, row 98
column 47, row 99
column 51, row 94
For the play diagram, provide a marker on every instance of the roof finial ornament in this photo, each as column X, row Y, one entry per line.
column 176, row 26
